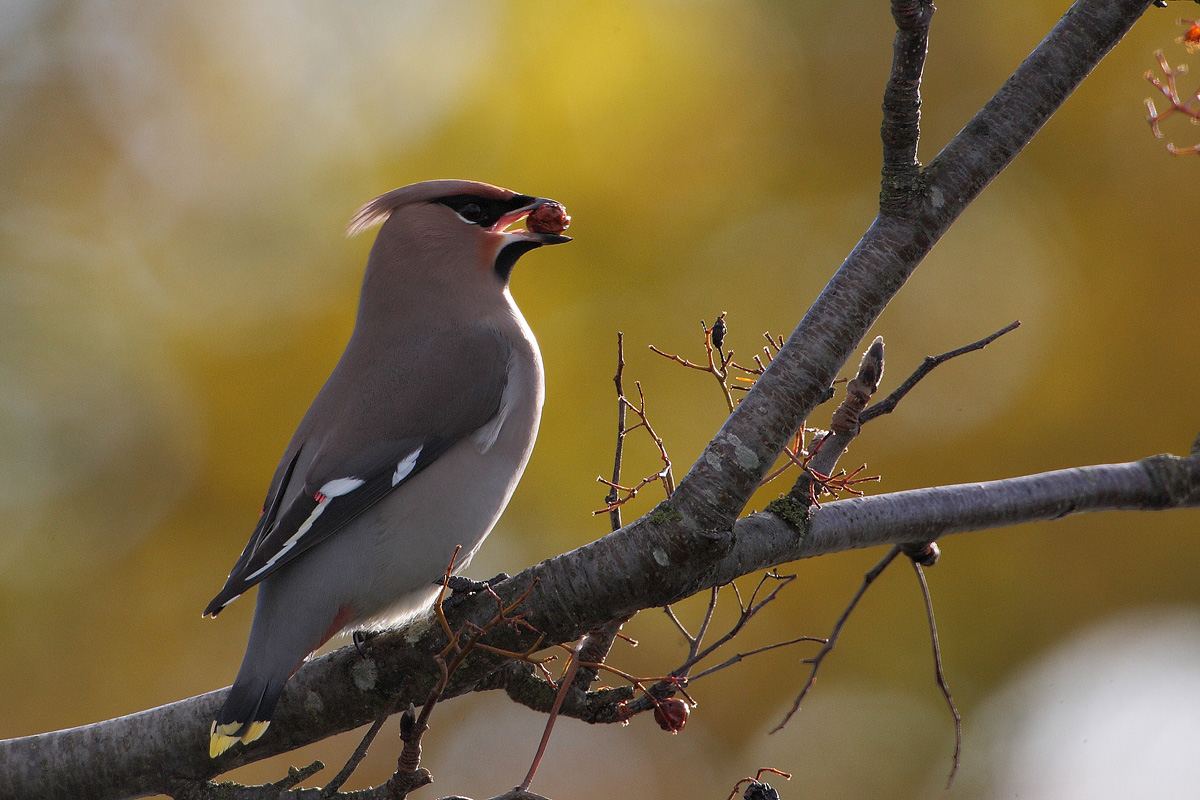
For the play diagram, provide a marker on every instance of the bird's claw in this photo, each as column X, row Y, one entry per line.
column 461, row 588
column 360, row 638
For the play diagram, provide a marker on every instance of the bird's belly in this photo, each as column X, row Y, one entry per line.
column 409, row 538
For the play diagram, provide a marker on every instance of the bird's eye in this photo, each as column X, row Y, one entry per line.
column 471, row 212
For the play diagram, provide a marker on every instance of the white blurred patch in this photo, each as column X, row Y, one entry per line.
column 195, row 94
column 237, row 125
column 1112, row 713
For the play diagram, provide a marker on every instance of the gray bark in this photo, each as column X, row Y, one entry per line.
column 694, row 540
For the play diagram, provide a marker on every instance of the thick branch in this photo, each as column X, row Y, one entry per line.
column 690, row 542
column 922, row 515
column 721, row 481
column 139, row 754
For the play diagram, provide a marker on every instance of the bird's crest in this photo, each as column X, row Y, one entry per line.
column 379, row 209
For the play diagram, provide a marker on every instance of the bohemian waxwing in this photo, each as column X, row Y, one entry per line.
column 412, row 447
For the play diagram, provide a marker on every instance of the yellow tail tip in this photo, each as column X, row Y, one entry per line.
column 254, row 730
column 219, row 742
column 223, row 737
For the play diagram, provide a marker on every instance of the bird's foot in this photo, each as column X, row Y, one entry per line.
column 461, row 588
column 360, row 638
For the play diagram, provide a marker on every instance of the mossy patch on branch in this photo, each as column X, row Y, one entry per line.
column 791, row 511
column 664, row 513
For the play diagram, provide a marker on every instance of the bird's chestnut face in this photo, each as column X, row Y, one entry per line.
column 492, row 216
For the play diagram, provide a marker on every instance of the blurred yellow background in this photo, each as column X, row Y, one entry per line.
column 175, row 287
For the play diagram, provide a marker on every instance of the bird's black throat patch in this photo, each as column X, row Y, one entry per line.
column 506, row 259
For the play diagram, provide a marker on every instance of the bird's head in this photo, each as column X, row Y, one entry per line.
column 460, row 230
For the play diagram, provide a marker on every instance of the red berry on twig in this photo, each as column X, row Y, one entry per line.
column 671, row 714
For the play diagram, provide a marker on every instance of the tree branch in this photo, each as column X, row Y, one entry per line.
column 690, row 542
column 901, row 129
column 141, row 753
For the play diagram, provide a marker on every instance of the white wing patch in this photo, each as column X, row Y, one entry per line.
column 405, row 466
column 340, row 486
column 332, row 489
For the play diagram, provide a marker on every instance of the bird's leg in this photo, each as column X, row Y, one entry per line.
column 459, row 584
column 360, row 638
column 461, row 587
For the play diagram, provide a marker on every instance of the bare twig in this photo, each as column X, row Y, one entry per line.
column 939, row 673
column 713, row 595
column 831, row 642
column 889, row 403
column 717, row 366
column 360, row 752
column 614, row 508
column 729, row 662
column 817, row 467
column 748, row 610
column 596, row 646
column 295, row 776
column 1189, row 108
column 665, row 475
column 697, row 652
column 853, row 413
column 671, row 615
column 565, row 683
column 409, row 775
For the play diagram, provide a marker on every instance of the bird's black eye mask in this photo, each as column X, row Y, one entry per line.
column 483, row 211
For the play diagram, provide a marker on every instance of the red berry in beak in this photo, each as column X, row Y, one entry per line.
column 549, row 217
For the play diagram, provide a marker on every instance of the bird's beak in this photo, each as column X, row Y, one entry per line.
column 523, row 235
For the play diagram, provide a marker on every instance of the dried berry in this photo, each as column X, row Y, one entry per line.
column 925, row 555
column 761, row 791
column 549, row 217
column 718, row 332
column 671, row 714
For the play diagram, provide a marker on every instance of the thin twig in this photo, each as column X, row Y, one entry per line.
column 596, row 646
column 719, row 366
column 747, row 613
column 714, row 595
column 1169, row 90
column 671, row 615
column 565, row 683
column 939, row 673
column 358, row 755
column 729, row 662
column 614, row 508
column 888, row 404
column 665, row 475
column 831, row 642
column 679, row 676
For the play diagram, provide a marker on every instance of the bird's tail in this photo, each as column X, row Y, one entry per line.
column 246, row 713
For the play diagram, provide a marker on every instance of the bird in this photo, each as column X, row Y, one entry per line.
column 412, row 447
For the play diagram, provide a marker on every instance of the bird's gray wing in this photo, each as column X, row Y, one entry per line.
column 360, row 441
